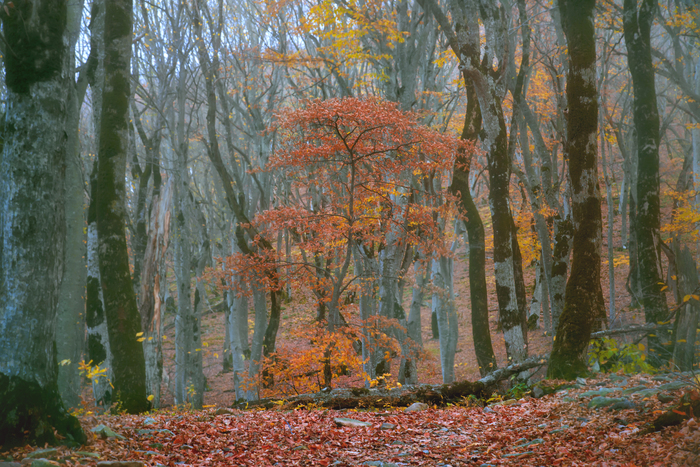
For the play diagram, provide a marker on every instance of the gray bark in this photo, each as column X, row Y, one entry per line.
column 32, row 223
column 444, row 307
column 685, row 327
column 70, row 324
column 153, row 283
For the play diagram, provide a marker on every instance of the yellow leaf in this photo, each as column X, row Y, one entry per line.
column 641, row 347
column 696, row 297
column 664, row 288
column 141, row 339
column 686, row 298
column 681, row 341
column 150, row 398
column 139, row 334
column 64, row 362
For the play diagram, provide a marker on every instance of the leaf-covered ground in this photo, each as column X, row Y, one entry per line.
column 558, row 429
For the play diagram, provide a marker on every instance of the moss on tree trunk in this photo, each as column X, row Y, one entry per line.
column 123, row 320
column 637, row 27
column 584, row 304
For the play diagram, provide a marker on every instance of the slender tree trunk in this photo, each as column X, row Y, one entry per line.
column 98, row 350
column 563, row 237
column 584, row 306
column 32, row 223
column 408, row 372
column 368, row 307
column 152, row 279
column 123, row 320
column 256, row 349
column 637, row 26
column 237, row 302
column 478, row 291
column 685, row 328
column 444, row 309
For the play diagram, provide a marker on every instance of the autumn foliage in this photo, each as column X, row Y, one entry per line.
column 349, row 173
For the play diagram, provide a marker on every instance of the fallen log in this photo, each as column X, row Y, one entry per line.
column 433, row 394
column 628, row 330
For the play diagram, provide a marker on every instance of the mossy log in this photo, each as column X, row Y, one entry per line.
column 688, row 406
column 432, row 394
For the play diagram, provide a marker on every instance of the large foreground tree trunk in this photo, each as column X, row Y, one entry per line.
column 584, row 304
column 123, row 320
column 32, row 223
column 637, row 25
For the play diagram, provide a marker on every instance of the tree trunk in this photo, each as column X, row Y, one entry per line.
column 70, row 324
column 150, row 304
column 123, row 320
column 237, row 325
column 408, row 372
column 478, row 292
column 32, row 223
column 256, row 349
column 99, row 353
column 583, row 305
column 563, row 236
column 444, row 309
column 685, row 327
column 637, row 27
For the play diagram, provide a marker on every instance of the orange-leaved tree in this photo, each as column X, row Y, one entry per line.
column 350, row 173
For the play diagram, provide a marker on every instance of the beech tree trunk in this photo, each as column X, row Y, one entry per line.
column 98, row 350
column 478, row 291
column 152, row 279
column 70, row 324
column 32, row 223
column 583, row 305
column 123, row 320
column 637, row 28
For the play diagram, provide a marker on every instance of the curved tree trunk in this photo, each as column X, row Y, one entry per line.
column 478, row 291
column 32, row 223
column 584, row 304
column 123, row 320
column 637, row 25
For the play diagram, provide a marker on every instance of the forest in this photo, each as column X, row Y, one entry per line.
column 222, row 216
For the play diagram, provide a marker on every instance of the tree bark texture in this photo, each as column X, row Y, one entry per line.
column 584, row 296
column 32, row 223
column 123, row 320
column 637, row 28
column 70, row 325
column 685, row 327
column 152, row 277
column 478, row 291
column 98, row 350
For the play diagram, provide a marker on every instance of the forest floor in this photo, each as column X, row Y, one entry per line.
column 564, row 428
